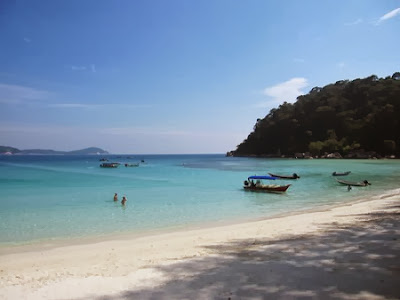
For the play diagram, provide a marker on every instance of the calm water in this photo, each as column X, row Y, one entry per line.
column 52, row 197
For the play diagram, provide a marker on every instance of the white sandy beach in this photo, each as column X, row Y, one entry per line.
column 344, row 252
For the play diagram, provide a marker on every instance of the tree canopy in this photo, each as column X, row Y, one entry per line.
column 346, row 116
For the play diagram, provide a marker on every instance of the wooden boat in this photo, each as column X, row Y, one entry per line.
column 341, row 173
column 258, row 186
column 294, row 176
column 131, row 165
column 109, row 165
column 353, row 183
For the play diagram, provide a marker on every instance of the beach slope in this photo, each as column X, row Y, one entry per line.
column 349, row 251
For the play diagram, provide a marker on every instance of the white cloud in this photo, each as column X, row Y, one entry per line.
column 118, row 140
column 126, row 132
column 27, row 40
column 286, row 91
column 93, row 106
column 341, row 65
column 356, row 22
column 266, row 105
column 389, row 15
column 10, row 93
column 17, row 94
column 72, row 105
column 78, row 68
column 91, row 68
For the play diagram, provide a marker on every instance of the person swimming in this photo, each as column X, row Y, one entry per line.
column 123, row 201
column 115, row 197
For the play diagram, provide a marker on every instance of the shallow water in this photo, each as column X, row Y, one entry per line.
column 52, row 197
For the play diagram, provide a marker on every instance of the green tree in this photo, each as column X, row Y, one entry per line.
column 315, row 147
column 343, row 116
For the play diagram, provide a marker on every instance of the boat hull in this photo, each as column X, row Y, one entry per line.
column 352, row 183
column 284, row 176
column 109, row 165
column 268, row 188
column 131, row 165
column 341, row 174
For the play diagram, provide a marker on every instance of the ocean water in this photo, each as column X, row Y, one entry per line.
column 45, row 198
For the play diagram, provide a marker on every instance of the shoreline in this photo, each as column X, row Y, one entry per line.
column 272, row 156
column 111, row 267
column 52, row 243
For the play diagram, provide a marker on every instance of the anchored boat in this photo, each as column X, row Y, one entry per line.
column 341, row 173
column 109, row 165
column 353, row 183
column 131, row 165
column 293, row 176
column 255, row 184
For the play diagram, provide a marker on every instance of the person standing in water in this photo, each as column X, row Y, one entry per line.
column 123, row 201
column 115, row 197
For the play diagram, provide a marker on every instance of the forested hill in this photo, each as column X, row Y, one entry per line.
column 86, row 151
column 344, row 117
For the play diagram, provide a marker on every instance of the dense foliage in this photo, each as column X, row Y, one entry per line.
column 362, row 114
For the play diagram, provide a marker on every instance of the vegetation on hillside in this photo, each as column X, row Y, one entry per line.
column 5, row 149
column 344, row 117
column 86, row 151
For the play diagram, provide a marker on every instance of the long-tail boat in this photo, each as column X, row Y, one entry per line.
column 259, row 186
column 293, row 176
column 341, row 173
column 353, row 183
column 109, row 165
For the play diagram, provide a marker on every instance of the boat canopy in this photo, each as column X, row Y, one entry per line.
column 262, row 177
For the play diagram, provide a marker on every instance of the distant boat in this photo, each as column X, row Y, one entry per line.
column 109, row 165
column 103, row 159
column 258, row 186
column 341, row 173
column 293, row 176
column 131, row 165
column 353, row 183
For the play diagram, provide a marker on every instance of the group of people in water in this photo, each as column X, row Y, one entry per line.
column 123, row 201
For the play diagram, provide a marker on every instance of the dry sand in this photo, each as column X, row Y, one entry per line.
column 344, row 252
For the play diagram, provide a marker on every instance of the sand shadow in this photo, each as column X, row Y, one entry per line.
column 342, row 262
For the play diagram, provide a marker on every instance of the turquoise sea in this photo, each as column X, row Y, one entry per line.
column 47, row 198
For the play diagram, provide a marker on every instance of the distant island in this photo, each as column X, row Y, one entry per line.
column 86, row 151
column 351, row 119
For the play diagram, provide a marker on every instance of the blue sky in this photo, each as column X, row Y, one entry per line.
column 176, row 76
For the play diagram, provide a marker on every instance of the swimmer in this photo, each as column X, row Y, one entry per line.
column 115, row 197
column 123, row 201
